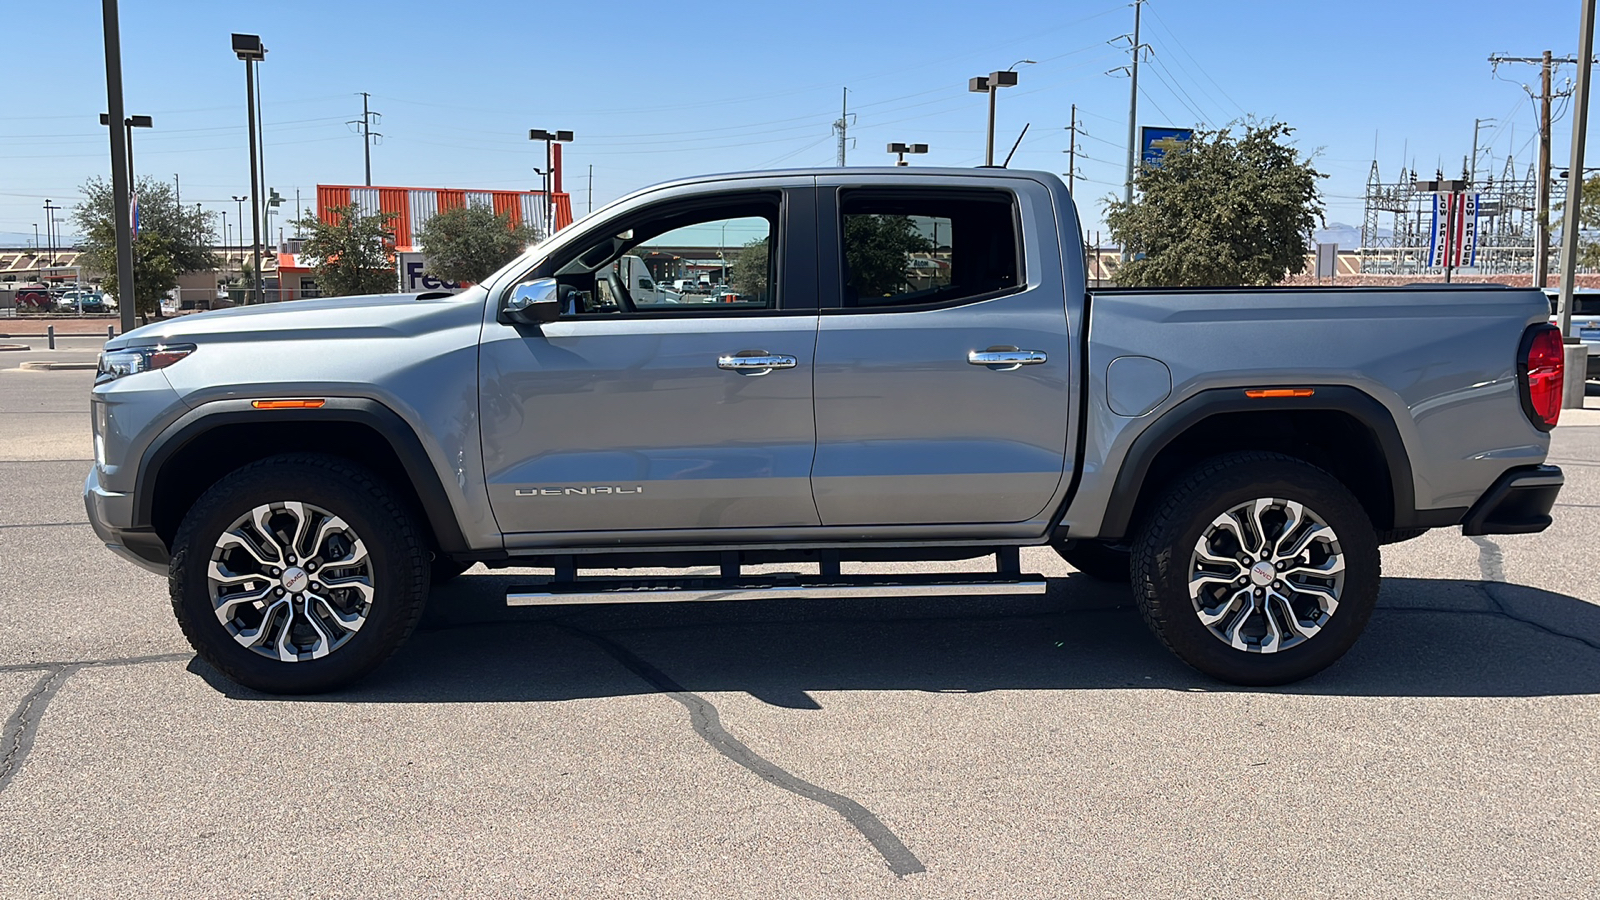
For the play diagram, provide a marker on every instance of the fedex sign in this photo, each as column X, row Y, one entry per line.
column 414, row 278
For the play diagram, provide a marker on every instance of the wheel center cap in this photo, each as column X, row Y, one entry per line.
column 1261, row 573
column 295, row 579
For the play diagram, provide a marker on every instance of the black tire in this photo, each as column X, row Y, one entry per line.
column 1098, row 560
column 444, row 569
column 395, row 547
column 1167, row 538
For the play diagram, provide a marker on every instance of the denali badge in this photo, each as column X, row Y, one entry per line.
column 579, row 491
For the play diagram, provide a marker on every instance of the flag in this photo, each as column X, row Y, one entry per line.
column 133, row 211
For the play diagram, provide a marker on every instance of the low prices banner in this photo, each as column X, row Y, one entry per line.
column 1454, row 239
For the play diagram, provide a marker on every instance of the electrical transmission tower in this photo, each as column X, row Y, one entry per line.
column 363, row 127
column 842, row 125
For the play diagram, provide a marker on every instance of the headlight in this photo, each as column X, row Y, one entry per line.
column 116, row 364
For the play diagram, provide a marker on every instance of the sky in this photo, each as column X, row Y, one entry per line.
column 656, row 91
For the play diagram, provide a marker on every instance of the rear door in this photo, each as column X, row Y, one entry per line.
column 627, row 414
column 943, row 357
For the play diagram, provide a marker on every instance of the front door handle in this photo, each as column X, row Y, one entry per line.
column 755, row 362
column 1004, row 359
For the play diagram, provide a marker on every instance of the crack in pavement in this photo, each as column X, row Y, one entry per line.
column 703, row 716
column 1492, row 563
column 16, row 739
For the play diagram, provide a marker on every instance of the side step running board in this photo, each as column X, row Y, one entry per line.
column 677, row 590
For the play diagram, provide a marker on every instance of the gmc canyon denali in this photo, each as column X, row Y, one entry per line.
column 908, row 366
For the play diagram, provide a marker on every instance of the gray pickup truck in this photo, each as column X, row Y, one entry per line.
column 908, row 366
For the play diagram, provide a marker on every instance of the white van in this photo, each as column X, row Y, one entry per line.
column 642, row 289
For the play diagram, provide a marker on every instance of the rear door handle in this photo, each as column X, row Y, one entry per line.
column 755, row 362
column 1004, row 359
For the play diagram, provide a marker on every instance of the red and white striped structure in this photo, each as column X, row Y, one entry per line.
column 414, row 206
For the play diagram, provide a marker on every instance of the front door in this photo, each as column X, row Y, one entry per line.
column 646, row 412
column 942, row 366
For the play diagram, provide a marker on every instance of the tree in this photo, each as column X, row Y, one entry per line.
column 876, row 249
column 1588, row 223
column 468, row 243
column 353, row 254
column 171, row 241
column 1220, row 210
column 748, row 274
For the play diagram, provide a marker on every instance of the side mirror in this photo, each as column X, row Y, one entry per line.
column 532, row 303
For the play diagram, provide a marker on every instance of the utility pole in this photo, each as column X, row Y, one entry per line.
column 591, row 187
column 1546, row 63
column 364, row 128
column 1072, row 148
column 1541, row 248
column 1134, row 47
column 843, row 125
column 1472, row 176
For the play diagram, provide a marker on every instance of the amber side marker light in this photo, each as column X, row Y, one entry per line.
column 287, row 404
column 1263, row 393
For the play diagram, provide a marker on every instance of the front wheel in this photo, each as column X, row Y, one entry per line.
column 298, row 574
column 1257, row 568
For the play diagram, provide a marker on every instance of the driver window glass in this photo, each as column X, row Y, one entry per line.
column 717, row 259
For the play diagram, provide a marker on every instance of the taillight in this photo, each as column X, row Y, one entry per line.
column 1539, row 371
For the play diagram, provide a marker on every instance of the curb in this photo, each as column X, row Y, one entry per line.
column 39, row 366
column 5, row 347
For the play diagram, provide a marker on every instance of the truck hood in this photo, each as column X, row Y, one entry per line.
column 372, row 315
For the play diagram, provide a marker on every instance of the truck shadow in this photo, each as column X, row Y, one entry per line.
column 1427, row 638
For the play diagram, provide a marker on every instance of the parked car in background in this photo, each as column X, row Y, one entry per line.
column 33, row 296
column 1585, row 322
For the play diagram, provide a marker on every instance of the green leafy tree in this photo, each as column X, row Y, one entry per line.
column 877, row 248
column 1220, row 210
column 468, row 243
column 353, row 254
column 172, row 240
column 1588, row 224
column 748, row 274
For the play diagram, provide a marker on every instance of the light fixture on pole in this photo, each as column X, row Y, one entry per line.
column 989, row 84
column 249, row 49
column 549, row 138
column 129, row 124
column 900, row 151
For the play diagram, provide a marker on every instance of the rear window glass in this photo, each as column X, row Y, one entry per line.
column 913, row 247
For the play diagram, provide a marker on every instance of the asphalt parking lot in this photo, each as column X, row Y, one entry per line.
column 1019, row 747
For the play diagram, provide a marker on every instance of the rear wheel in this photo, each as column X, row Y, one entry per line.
column 297, row 574
column 1257, row 568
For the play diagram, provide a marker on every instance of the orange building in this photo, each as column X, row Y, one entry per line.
column 413, row 207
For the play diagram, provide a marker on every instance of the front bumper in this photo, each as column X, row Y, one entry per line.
column 1519, row 502
column 109, row 515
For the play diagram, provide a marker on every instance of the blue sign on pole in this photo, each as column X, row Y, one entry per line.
column 1155, row 142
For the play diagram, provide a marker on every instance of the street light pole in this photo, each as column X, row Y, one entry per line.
column 1573, row 392
column 549, row 138
column 120, row 178
column 249, row 49
column 239, row 221
column 989, row 84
